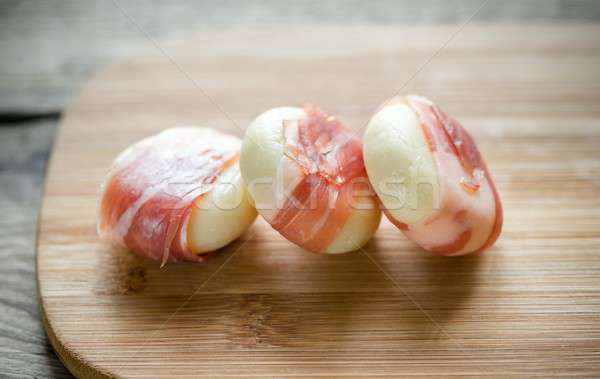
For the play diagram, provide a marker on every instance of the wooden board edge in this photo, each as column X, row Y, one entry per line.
column 76, row 365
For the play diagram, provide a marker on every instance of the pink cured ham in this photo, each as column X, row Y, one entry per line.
column 153, row 188
column 468, row 215
column 330, row 158
column 318, row 172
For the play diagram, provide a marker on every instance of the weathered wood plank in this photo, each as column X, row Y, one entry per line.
column 49, row 48
column 25, row 351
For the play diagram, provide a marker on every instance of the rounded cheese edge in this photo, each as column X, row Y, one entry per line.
column 400, row 165
column 222, row 215
column 358, row 229
column 261, row 157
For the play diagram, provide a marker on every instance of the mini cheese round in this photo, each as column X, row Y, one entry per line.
column 430, row 177
column 305, row 173
column 176, row 195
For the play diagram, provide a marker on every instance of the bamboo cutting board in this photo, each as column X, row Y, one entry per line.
column 264, row 308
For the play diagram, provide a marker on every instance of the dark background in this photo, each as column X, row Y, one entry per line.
column 47, row 50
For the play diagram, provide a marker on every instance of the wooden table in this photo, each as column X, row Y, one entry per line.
column 264, row 308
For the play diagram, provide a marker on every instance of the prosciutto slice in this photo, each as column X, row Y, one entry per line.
column 320, row 197
column 151, row 189
column 467, row 215
column 329, row 157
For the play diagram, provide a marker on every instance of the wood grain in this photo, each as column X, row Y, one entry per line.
column 25, row 350
column 49, row 48
column 264, row 308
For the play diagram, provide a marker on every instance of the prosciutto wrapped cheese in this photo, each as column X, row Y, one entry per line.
column 176, row 195
column 430, row 177
column 305, row 173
